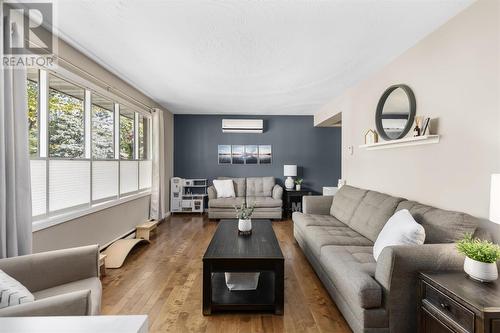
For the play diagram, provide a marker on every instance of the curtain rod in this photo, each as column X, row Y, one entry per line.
column 105, row 84
column 99, row 81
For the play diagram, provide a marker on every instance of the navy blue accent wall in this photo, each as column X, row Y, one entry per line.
column 294, row 139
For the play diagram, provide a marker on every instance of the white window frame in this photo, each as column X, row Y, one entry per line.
column 56, row 217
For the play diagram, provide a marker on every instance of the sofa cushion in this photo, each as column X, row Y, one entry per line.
column 93, row 284
column 319, row 236
column 441, row 226
column 263, row 202
column 305, row 220
column 239, row 185
column 345, row 202
column 372, row 213
column 226, row 202
column 260, row 186
column 12, row 292
column 351, row 269
column 401, row 229
column 224, row 188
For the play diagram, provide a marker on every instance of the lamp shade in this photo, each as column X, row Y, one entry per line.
column 290, row 170
column 495, row 198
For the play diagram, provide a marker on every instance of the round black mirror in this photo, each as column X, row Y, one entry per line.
column 395, row 112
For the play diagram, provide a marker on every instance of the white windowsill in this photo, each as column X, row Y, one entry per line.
column 61, row 218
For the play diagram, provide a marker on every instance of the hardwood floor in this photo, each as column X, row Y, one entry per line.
column 163, row 280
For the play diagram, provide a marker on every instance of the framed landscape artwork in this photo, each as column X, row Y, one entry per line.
column 224, row 154
column 244, row 154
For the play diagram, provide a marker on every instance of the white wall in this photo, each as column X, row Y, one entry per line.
column 454, row 73
column 106, row 225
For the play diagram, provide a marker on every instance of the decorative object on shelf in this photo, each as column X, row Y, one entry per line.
column 298, row 183
column 416, row 130
column 241, row 281
column 289, row 171
column 371, row 137
column 426, row 126
column 244, row 215
column 395, row 112
column 187, row 195
column 480, row 258
column 244, row 154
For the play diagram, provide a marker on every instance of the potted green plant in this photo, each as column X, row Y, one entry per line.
column 244, row 215
column 480, row 258
column 298, row 183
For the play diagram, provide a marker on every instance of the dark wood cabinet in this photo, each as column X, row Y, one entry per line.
column 293, row 200
column 450, row 302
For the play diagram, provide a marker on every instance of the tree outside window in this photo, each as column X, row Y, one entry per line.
column 126, row 134
column 66, row 119
column 102, row 128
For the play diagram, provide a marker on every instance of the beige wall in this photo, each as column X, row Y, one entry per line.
column 106, row 225
column 454, row 73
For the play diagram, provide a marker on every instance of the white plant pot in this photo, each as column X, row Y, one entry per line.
column 480, row 271
column 297, row 187
column 245, row 225
column 242, row 281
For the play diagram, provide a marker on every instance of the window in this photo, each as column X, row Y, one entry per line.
column 66, row 119
column 86, row 148
column 32, row 93
column 126, row 134
column 102, row 128
column 144, row 144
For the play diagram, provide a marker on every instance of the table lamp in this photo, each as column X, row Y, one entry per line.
column 289, row 171
column 495, row 198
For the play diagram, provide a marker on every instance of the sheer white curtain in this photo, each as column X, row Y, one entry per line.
column 157, row 210
column 15, row 193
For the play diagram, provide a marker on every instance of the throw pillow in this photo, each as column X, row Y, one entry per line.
column 12, row 292
column 224, row 188
column 400, row 229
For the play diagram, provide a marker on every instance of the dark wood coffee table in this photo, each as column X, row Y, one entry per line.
column 229, row 252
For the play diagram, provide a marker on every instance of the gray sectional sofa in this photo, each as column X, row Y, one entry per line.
column 337, row 236
column 261, row 192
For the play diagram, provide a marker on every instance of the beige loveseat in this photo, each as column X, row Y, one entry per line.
column 64, row 282
column 260, row 192
column 337, row 236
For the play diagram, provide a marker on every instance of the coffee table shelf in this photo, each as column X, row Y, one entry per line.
column 225, row 300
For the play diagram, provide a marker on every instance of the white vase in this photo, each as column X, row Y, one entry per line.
column 297, row 187
column 245, row 225
column 481, row 271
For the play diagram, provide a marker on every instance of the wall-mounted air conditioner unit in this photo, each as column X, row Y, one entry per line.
column 242, row 126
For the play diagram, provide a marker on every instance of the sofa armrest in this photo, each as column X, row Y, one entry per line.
column 315, row 204
column 71, row 304
column 277, row 192
column 212, row 193
column 397, row 271
column 49, row 269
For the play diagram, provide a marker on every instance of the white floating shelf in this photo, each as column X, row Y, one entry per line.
column 411, row 141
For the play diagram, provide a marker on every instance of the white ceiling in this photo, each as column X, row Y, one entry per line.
column 247, row 57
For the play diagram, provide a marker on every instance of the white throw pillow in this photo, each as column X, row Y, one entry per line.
column 224, row 188
column 12, row 292
column 401, row 229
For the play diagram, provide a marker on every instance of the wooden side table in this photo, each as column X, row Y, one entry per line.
column 452, row 302
column 293, row 200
